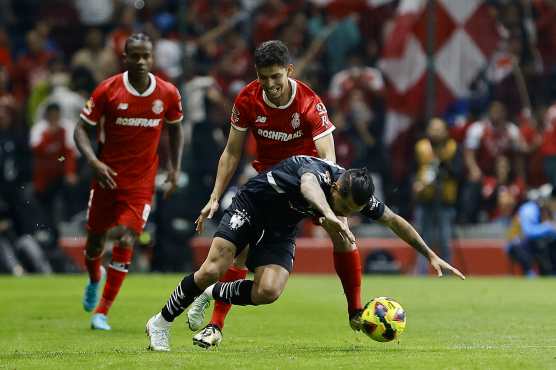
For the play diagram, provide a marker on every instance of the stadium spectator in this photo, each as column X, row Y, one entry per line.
column 532, row 234
column 54, row 163
column 439, row 165
column 99, row 59
column 548, row 146
column 486, row 140
column 134, row 105
column 265, row 214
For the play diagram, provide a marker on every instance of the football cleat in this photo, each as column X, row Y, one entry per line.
column 355, row 321
column 210, row 336
column 196, row 313
column 159, row 335
column 91, row 296
column 99, row 321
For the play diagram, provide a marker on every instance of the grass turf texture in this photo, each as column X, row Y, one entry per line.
column 502, row 323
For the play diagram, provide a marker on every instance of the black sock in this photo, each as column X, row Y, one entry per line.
column 181, row 298
column 236, row 292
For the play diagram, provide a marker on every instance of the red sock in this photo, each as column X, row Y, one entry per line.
column 117, row 271
column 93, row 267
column 348, row 268
column 221, row 309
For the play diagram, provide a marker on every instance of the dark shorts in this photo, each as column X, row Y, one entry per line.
column 271, row 241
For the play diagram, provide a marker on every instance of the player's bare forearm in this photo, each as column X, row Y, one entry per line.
column 325, row 148
column 405, row 231
column 176, row 145
column 83, row 142
column 228, row 162
column 312, row 192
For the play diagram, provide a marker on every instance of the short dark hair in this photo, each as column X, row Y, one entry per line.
column 270, row 53
column 137, row 37
column 359, row 184
column 52, row 107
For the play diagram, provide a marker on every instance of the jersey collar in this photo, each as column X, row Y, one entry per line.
column 293, row 84
column 132, row 90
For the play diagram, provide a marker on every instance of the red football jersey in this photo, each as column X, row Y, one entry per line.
column 132, row 124
column 281, row 132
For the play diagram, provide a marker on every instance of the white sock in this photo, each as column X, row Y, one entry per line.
column 161, row 321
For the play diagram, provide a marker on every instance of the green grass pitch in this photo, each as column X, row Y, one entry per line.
column 501, row 323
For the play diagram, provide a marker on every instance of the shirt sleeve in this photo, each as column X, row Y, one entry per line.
column 95, row 106
column 317, row 116
column 239, row 118
column 374, row 209
column 174, row 113
column 473, row 136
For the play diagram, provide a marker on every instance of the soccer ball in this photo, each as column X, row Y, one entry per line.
column 383, row 319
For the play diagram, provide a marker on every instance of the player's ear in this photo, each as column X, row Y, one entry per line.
column 290, row 70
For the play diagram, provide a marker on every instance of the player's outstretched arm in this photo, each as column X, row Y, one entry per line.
column 407, row 233
column 104, row 174
column 227, row 166
column 312, row 192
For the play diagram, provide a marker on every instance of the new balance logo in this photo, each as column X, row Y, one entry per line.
column 122, row 106
column 260, row 119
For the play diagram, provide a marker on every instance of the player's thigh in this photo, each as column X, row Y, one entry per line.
column 132, row 210
column 270, row 281
column 101, row 214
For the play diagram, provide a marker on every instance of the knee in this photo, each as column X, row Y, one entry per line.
column 210, row 273
column 266, row 294
column 342, row 245
column 127, row 239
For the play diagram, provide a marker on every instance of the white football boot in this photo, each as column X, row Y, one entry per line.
column 210, row 336
column 196, row 313
column 158, row 331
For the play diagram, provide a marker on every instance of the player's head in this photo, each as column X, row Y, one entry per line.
column 351, row 192
column 272, row 63
column 138, row 54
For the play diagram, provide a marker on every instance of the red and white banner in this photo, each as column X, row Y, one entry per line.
column 465, row 36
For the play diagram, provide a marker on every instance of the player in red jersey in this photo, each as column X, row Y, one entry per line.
column 287, row 118
column 128, row 111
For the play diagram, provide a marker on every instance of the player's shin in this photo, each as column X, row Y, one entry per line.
column 234, row 292
column 348, row 268
column 181, row 298
column 117, row 271
column 221, row 308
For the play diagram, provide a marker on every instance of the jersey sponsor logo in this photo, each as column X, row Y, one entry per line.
column 89, row 106
column 260, row 119
column 140, row 122
column 122, row 106
column 235, row 115
column 158, row 106
column 296, row 120
column 278, row 135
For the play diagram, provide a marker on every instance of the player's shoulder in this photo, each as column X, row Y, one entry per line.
column 305, row 90
column 165, row 86
column 110, row 82
column 251, row 90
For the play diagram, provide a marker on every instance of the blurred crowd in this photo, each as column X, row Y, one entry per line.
column 476, row 163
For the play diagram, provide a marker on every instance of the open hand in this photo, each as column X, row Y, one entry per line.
column 207, row 212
